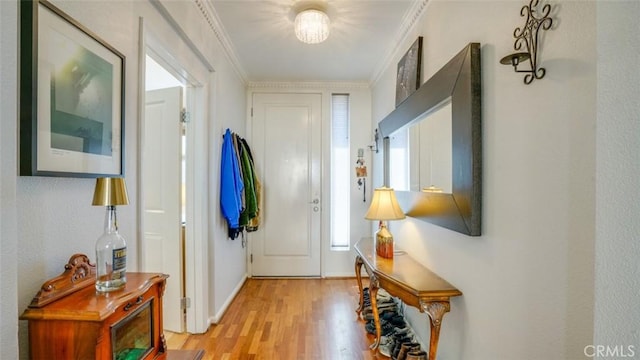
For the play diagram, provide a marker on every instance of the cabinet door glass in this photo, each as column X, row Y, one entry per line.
column 132, row 336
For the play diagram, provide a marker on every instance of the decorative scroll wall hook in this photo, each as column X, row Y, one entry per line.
column 527, row 39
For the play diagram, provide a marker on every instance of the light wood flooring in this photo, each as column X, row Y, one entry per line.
column 286, row 319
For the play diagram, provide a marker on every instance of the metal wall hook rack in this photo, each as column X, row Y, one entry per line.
column 527, row 38
column 361, row 174
column 376, row 138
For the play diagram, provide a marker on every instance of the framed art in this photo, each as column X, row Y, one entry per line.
column 408, row 78
column 71, row 97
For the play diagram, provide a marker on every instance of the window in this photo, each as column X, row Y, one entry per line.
column 399, row 160
column 340, row 173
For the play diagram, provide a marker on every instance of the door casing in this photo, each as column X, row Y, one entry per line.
column 198, row 77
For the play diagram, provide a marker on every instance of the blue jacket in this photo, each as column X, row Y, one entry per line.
column 231, row 185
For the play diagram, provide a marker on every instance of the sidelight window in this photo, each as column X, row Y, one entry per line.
column 340, row 173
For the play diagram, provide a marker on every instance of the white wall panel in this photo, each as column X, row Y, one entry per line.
column 617, row 283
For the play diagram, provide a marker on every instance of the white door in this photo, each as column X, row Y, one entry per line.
column 286, row 148
column 161, row 164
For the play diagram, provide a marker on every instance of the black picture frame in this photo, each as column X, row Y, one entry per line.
column 409, row 72
column 71, row 97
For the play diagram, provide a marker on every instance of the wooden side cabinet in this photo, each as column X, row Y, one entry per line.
column 69, row 319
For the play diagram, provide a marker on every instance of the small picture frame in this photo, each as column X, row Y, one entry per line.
column 71, row 97
column 408, row 74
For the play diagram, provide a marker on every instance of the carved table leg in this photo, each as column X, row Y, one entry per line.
column 359, row 263
column 436, row 311
column 373, row 295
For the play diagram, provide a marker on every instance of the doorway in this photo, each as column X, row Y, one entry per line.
column 194, row 75
column 286, row 135
column 163, row 196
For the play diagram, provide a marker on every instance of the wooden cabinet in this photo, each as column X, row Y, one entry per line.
column 69, row 319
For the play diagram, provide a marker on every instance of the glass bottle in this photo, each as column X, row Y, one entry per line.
column 111, row 255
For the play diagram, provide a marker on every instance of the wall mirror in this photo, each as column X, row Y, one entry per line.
column 429, row 152
column 444, row 115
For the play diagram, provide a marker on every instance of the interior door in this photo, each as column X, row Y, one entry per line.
column 161, row 164
column 286, row 131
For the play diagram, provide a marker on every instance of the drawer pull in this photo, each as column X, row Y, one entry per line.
column 130, row 305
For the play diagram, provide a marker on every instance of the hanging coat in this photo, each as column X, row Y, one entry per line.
column 254, row 222
column 251, row 202
column 231, row 186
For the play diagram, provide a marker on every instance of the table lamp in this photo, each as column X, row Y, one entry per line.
column 384, row 206
column 111, row 249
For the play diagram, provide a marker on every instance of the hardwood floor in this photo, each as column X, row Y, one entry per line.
column 286, row 319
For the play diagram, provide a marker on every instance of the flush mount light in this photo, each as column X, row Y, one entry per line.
column 312, row 26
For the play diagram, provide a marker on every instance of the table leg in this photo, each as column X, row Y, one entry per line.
column 359, row 263
column 436, row 311
column 373, row 295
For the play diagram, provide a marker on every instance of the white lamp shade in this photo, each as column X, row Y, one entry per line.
column 312, row 26
column 384, row 206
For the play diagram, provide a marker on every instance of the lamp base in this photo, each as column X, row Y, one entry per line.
column 384, row 242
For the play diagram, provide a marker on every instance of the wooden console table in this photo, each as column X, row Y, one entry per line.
column 405, row 278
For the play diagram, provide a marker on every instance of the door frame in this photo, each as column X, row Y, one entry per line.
column 197, row 210
column 332, row 263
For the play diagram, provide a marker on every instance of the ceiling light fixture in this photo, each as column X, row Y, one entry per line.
column 312, row 26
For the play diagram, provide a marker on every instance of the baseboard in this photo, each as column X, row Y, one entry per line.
column 216, row 318
column 339, row 275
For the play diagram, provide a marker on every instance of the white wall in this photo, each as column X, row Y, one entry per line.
column 228, row 265
column 617, row 283
column 45, row 220
column 341, row 263
column 528, row 280
column 8, row 165
column 338, row 263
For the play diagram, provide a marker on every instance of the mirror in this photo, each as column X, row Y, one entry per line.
column 422, row 154
column 454, row 89
column 430, row 153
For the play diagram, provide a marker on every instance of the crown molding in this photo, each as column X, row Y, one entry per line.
column 210, row 16
column 323, row 85
column 408, row 22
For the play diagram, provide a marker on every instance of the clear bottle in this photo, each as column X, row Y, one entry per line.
column 111, row 255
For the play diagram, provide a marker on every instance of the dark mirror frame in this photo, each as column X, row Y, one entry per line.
column 459, row 80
